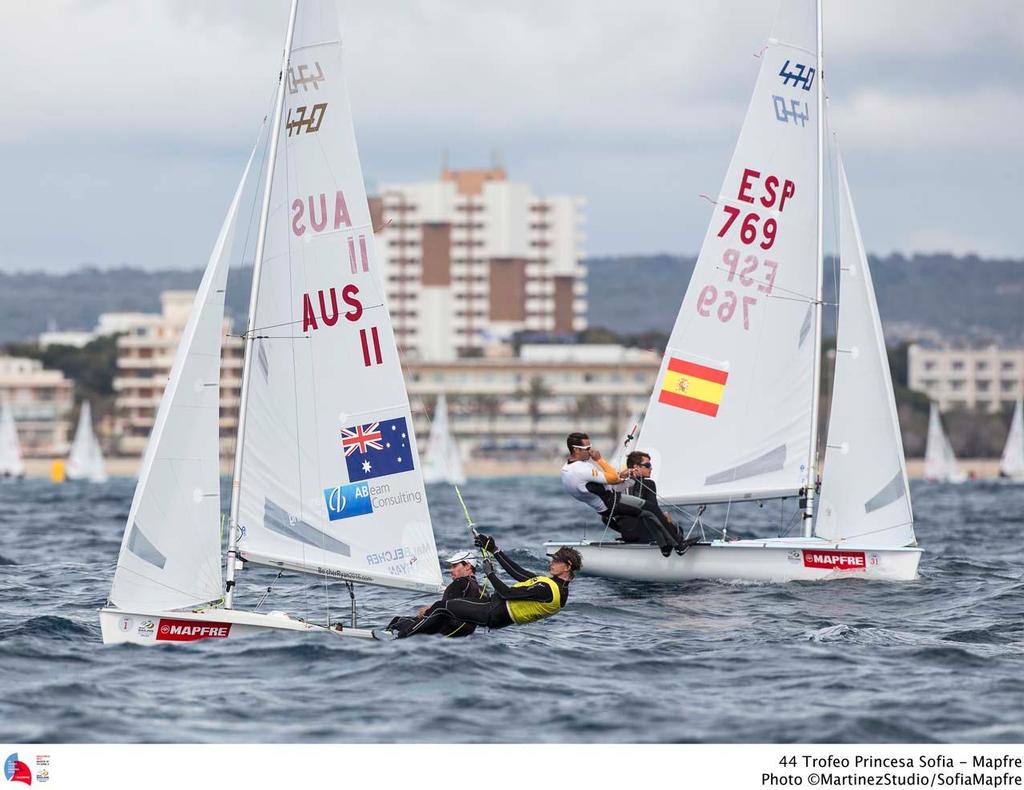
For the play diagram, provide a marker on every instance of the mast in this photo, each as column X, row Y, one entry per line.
column 813, row 453
column 257, row 268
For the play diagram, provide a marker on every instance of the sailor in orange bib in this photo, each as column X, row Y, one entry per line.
column 532, row 597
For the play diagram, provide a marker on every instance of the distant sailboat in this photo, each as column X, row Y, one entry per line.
column 733, row 414
column 11, row 464
column 1012, row 463
column 940, row 463
column 326, row 479
column 442, row 463
column 85, row 461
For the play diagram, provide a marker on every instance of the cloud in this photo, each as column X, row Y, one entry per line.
column 990, row 117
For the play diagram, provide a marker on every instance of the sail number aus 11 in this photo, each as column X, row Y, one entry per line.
column 752, row 273
column 773, row 190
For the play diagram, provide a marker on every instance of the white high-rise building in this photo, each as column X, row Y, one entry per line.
column 473, row 257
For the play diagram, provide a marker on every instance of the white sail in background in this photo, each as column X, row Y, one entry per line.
column 864, row 492
column 171, row 552
column 85, row 461
column 329, row 478
column 11, row 464
column 731, row 412
column 443, row 462
column 1012, row 462
column 939, row 458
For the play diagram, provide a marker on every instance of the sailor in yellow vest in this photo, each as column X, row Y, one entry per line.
column 531, row 598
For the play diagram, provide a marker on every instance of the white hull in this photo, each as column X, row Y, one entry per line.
column 152, row 628
column 769, row 560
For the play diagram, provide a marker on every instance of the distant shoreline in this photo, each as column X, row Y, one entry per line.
column 982, row 468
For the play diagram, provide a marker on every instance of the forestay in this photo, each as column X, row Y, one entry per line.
column 329, row 478
column 864, row 494
column 85, row 461
column 731, row 411
column 170, row 554
column 10, row 448
column 442, row 463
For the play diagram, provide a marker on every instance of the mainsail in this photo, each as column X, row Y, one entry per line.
column 171, row 551
column 939, row 458
column 864, row 493
column 442, row 463
column 1012, row 462
column 85, row 461
column 328, row 478
column 11, row 464
column 732, row 410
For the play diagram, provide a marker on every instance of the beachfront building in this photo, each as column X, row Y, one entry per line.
column 145, row 354
column 508, row 408
column 471, row 258
column 107, row 324
column 40, row 401
column 989, row 378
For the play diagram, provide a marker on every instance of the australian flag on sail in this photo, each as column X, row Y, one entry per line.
column 377, row 449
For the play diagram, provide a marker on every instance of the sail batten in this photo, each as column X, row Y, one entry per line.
column 732, row 409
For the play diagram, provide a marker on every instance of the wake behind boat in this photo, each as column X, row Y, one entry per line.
column 326, row 481
column 732, row 416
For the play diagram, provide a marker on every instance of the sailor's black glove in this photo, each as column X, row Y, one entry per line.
column 488, row 567
column 485, row 542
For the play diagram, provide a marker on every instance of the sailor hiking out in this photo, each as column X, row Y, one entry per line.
column 435, row 619
column 532, row 597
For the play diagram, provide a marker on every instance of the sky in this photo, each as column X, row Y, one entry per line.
column 126, row 123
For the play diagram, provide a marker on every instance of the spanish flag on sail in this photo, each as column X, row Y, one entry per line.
column 693, row 387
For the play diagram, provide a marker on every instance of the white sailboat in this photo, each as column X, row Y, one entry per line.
column 326, row 481
column 733, row 413
column 85, row 461
column 11, row 464
column 1011, row 465
column 940, row 463
column 443, row 462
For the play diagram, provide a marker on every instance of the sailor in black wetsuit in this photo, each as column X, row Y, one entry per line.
column 434, row 619
column 531, row 598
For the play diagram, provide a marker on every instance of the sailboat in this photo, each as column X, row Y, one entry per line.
column 939, row 459
column 85, row 461
column 1011, row 465
column 11, row 464
column 443, row 463
column 733, row 412
column 326, row 479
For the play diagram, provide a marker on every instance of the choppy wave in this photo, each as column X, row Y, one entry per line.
column 933, row 660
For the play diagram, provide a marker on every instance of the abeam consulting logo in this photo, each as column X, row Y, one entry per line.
column 348, row 500
column 16, row 771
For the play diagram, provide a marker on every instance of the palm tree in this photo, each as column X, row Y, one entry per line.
column 488, row 406
column 534, row 394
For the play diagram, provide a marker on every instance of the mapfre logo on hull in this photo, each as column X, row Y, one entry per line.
column 190, row 630
column 835, row 560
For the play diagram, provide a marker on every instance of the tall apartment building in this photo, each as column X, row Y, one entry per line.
column 501, row 407
column 473, row 257
column 144, row 359
column 40, row 401
column 990, row 378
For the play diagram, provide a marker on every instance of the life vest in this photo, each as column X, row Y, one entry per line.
column 523, row 612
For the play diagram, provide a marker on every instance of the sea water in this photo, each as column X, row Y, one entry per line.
column 937, row 659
